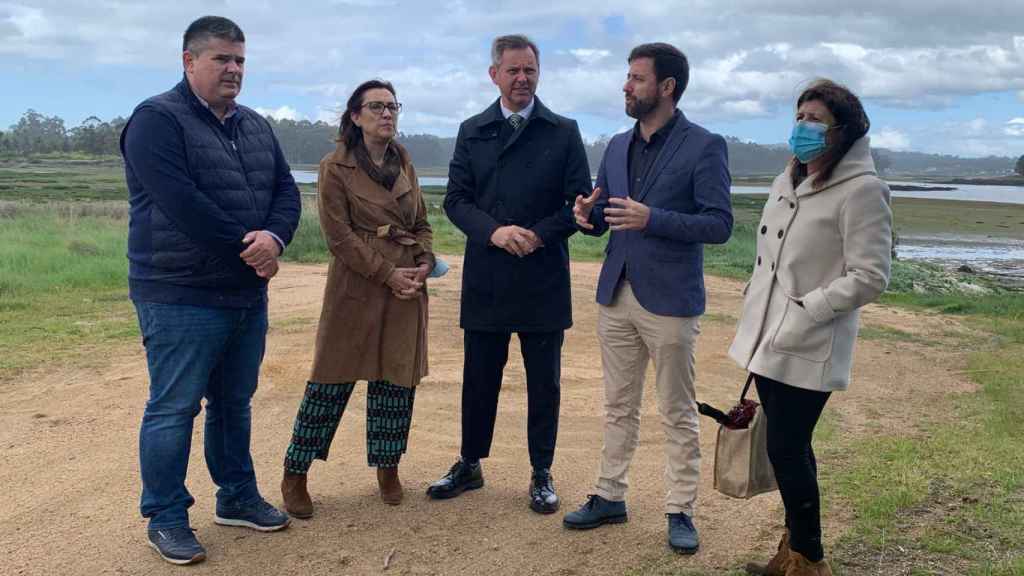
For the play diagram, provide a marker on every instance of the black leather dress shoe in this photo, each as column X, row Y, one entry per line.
column 460, row 477
column 543, row 499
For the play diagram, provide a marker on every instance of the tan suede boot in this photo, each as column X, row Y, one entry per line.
column 801, row 566
column 390, row 487
column 296, row 499
column 777, row 565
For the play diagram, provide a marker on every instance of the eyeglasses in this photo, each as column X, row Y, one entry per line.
column 379, row 107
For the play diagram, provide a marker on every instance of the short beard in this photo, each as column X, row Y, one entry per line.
column 641, row 108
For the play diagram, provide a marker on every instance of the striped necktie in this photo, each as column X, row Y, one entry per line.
column 515, row 120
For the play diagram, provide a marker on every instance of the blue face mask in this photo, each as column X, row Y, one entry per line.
column 808, row 140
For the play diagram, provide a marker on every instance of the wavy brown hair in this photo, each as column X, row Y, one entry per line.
column 852, row 124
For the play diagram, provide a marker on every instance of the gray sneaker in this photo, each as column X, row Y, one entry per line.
column 682, row 534
column 259, row 515
column 177, row 545
column 596, row 512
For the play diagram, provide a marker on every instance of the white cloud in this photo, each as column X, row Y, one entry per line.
column 280, row 113
column 749, row 58
column 1014, row 127
column 590, row 56
column 890, row 138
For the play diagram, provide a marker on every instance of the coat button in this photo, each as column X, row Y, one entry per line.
column 773, row 266
column 792, row 205
column 764, row 229
column 758, row 260
column 780, row 234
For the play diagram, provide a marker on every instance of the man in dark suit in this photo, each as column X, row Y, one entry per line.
column 515, row 173
column 663, row 190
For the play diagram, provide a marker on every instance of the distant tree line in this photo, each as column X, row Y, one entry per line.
column 306, row 142
column 38, row 134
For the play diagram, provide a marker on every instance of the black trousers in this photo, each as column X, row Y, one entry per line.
column 792, row 414
column 486, row 356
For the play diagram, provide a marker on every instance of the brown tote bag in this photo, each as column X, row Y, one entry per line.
column 742, row 468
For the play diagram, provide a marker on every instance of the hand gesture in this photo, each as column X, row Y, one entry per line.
column 581, row 209
column 403, row 284
column 516, row 240
column 627, row 214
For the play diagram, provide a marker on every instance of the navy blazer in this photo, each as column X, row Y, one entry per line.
column 530, row 180
column 687, row 190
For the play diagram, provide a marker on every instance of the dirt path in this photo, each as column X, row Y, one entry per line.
column 68, row 440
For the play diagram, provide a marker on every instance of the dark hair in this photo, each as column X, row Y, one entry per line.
column 669, row 62
column 851, row 125
column 200, row 32
column 349, row 133
column 512, row 42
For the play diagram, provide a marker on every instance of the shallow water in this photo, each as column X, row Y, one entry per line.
column 1001, row 256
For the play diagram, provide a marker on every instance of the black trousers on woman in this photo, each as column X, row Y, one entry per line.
column 792, row 414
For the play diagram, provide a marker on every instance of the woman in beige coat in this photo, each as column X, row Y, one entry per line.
column 823, row 251
column 373, row 325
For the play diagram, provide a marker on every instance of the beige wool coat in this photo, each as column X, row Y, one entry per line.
column 365, row 332
column 822, row 253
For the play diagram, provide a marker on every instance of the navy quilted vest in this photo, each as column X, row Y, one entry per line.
column 233, row 165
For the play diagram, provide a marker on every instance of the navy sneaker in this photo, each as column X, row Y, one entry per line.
column 259, row 515
column 682, row 534
column 595, row 512
column 177, row 545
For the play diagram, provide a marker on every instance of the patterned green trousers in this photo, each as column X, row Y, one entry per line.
column 388, row 415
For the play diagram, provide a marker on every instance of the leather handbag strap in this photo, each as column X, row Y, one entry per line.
column 750, row 378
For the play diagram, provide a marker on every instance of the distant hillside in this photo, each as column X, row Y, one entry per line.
column 306, row 142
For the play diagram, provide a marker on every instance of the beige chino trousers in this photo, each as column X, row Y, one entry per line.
column 629, row 335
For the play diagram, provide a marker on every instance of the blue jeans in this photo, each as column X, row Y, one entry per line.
column 193, row 353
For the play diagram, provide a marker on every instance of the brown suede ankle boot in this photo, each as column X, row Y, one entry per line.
column 296, row 499
column 390, row 486
column 777, row 565
column 799, row 565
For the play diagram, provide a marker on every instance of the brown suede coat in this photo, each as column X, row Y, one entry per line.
column 365, row 332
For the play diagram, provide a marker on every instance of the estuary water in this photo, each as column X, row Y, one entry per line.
column 1002, row 256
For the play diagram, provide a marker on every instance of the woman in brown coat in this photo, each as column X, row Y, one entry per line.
column 373, row 325
column 823, row 251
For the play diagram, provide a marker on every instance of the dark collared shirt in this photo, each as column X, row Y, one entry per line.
column 643, row 153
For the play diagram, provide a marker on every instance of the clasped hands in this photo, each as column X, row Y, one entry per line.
column 516, row 240
column 623, row 214
column 261, row 253
column 405, row 283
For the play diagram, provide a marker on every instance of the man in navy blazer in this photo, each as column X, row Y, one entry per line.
column 516, row 171
column 663, row 191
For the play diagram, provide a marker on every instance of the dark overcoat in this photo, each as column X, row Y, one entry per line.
column 528, row 178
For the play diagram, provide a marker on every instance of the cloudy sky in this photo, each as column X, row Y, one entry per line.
column 941, row 76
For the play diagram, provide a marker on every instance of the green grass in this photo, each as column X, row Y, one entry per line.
column 953, row 495
column 62, row 284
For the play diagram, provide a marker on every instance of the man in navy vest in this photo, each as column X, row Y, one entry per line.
column 663, row 190
column 213, row 204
